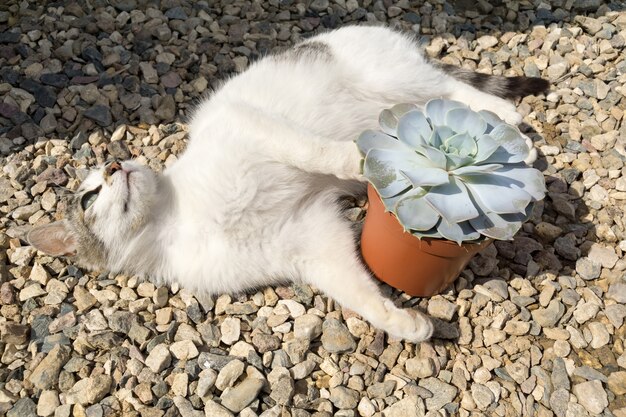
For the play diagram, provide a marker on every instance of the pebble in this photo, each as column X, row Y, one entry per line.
column 549, row 316
column 183, row 350
column 100, row 114
column 265, row 342
column 442, row 393
column 15, row 333
column 559, row 401
column 603, row 255
column 239, row 397
column 22, row 408
column 561, row 348
column 344, row 398
column 46, row 374
column 559, row 377
column 213, row 409
column 281, row 386
column 159, row 358
column 230, row 329
column 418, row 368
column 586, row 311
column 441, row 308
column 206, row 381
column 482, row 396
column 406, row 407
column 588, row 269
column 48, row 403
column 336, row 337
column 617, row 383
column 599, row 334
column 589, row 374
column 89, row 391
column 592, row 396
column 307, row 326
column 617, row 292
column 229, row 374
column 517, row 328
column 367, row 409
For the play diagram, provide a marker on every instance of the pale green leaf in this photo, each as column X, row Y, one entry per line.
column 388, row 122
column 439, row 136
column 414, row 213
column 431, row 233
column 512, row 146
column 401, row 109
column 371, row 139
column 498, row 193
column 380, row 168
column 476, row 169
column 437, row 108
column 435, row 156
column 452, row 201
column 465, row 120
column 425, row 176
column 414, row 129
column 456, row 161
column 457, row 232
column 499, row 226
column 486, row 147
column 464, row 143
column 491, row 118
column 530, row 180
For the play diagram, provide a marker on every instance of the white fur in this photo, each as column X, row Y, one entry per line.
column 252, row 201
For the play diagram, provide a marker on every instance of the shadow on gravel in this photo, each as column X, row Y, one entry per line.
column 22, row 125
column 504, row 16
column 558, row 233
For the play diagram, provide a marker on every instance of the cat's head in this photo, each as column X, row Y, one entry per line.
column 103, row 215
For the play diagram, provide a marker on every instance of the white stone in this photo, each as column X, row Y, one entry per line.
column 229, row 374
column 231, row 330
column 295, row 308
column 592, row 396
column 183, row 350
column 308, row 326
column 159, row 358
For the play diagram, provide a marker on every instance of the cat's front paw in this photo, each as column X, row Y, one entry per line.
column 409, row 325
column 351, row 163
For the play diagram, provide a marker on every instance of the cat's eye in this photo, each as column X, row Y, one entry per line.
column 89, row 198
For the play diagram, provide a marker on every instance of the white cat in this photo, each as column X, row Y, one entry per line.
column 253, row 200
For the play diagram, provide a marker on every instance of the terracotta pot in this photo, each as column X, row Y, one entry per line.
column 418, row 267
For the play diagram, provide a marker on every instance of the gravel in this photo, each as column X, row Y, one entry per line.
column 534, row 326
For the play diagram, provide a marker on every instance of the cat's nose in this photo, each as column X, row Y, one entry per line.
column 112, row 167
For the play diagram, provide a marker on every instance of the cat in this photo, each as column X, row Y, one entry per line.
column 253, row 201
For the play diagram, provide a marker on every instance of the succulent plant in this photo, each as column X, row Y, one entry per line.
column 450, row 172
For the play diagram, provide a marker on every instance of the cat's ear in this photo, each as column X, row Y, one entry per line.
column 55, row 239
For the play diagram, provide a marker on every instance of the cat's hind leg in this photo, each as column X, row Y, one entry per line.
column 389, row 67
column 330, row 263
column 342, row 277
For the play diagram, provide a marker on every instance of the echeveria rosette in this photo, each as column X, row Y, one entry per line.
column 450, row 172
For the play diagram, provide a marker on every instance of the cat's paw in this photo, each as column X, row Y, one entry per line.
column 409, row 325
column 504, row 109
column 508, row 113
column 350, row 162
column 478, row 100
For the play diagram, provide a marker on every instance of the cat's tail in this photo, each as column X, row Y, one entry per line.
column 504, row 87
